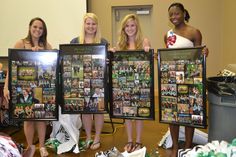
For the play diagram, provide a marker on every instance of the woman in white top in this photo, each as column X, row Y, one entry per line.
column 181, row 35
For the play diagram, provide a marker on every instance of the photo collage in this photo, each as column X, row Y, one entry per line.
column 132, row 85
column 33, row 85
column 3, row 68
column 181, row 91
column 83, row 83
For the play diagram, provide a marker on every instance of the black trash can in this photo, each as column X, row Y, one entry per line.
column 222, row 108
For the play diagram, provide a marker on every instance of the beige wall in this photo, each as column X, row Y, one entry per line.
column 214, row 18
column 228, row 40
column 205, row 15
column 60, row 20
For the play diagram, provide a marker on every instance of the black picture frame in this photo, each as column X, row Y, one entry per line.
column 132, row 85
column 182, row 86
column 3, row 71
column 84, row 78
column 35, row 73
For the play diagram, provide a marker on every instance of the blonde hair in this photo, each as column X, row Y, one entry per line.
column 97, row 37
column 123, row 38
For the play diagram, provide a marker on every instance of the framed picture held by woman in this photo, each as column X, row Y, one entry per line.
column 84, row 78
column 33, row 80
column 3, row 68
column 132, row 84
column 182, row 90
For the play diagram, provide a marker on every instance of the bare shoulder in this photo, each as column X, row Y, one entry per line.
column 19, row 44
column 194, row 31
column 49, row 46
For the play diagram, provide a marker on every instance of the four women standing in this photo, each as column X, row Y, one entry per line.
column 130, row 38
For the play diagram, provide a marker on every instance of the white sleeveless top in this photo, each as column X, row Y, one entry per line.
column 177, row 41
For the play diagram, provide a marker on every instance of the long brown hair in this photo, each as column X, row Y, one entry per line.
column 43, row 38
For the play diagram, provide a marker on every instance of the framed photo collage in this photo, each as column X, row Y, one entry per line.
column 182, row 86
column 33, row 83
column 132, row 83
column 3, row 68
column 86, row 78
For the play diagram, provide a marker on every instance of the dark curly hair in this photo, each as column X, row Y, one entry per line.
column 181, row 7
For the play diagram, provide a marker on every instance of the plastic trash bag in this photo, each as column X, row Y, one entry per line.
column 222, row 85
column 67, row 132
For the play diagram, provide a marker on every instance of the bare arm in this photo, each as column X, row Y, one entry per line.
column 19, row 45
column 165, row 40
column 5, row 89
column 197, row 36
